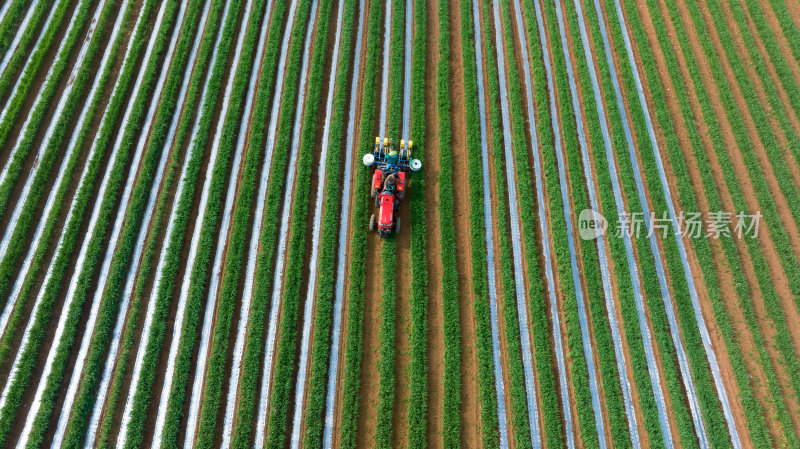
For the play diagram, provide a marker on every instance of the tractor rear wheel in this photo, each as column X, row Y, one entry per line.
column 397, row 225
column 372, row 223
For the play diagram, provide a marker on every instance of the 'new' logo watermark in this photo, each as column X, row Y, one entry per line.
column 591, row 224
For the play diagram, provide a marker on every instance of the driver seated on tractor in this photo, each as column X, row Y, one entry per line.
column 391, row 158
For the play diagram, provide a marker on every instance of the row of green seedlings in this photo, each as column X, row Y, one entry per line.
column 361, row 203
column 10, row 23
column 547, row 136
column 731, row 179
column 320, row 352
column 141, row 398
column 47, row 93
column 516, row 389
column 758, row 113
column 109, row 424
column 387, row 333
column 609, row 374
column 286, row 358
column 636, row 351
column 43, row 314
column 756, row 412
column 86, row 397
column 451, row 424
column 776, row 57
column 9, row 267
column 418, row 335
column 237, row 245
column 706, row 393
column 31, row 32
column 135, row 210
column 780, row 8
column 487, row 395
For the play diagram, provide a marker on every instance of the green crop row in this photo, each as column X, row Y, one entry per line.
column 286, row 358
column 355, row 308
column 652, row 293
column 547, row 136
column 516, row 390
column 608, row 374
column 141, row 400
column 11, row 22
column 755, row 412
column 133, row 210
column 707, row 396
column 487, row 393
column 388, row 329
column 787, row 25
column 87, row 393
column 44, row 313
column 418, row 336
column 20, row 55
column 617, row 251
column 254, row 345
column 326, row 272
column 762, row 120
column 776, row 58
column 450, row 291
column 214, row 384
column 762, row 271
column 9, row 267
column 47, row 93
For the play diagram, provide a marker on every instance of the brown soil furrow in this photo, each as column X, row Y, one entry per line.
column 470, row 404
column 435, row 325
column 766, row 243
column 783, row 43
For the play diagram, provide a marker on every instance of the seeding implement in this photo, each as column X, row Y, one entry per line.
column 389, row 182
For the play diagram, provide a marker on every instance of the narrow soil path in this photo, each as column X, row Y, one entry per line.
column 435, row 346
column 470, row 405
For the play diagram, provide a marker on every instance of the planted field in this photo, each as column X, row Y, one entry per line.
column 215, row 230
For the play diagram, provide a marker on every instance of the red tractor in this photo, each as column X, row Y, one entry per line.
column 389, row 182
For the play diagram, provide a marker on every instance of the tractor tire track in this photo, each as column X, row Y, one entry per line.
column 277, row 284
column 297, row 419
column 341, row 256
column 601, row 249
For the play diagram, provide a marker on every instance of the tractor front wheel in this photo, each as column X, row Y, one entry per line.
column 372, row 223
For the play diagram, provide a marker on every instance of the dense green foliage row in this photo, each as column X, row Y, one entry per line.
column 487, row 393
column 681, row 300
column 608, row 374
column 134, row 214
column 31, row 32
column 450, row 281
column 141, row 400
column 547, row 136
column 755, row 412
column 286, row 359
column 769, row 136
column 763, row 273
column 418, row 335
column 633, row 336
column 60, row 264
column 326, row 276
column 507, row 306
column 361, row 203
column 48, row 92
column 87, row 393
column 10, row 23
